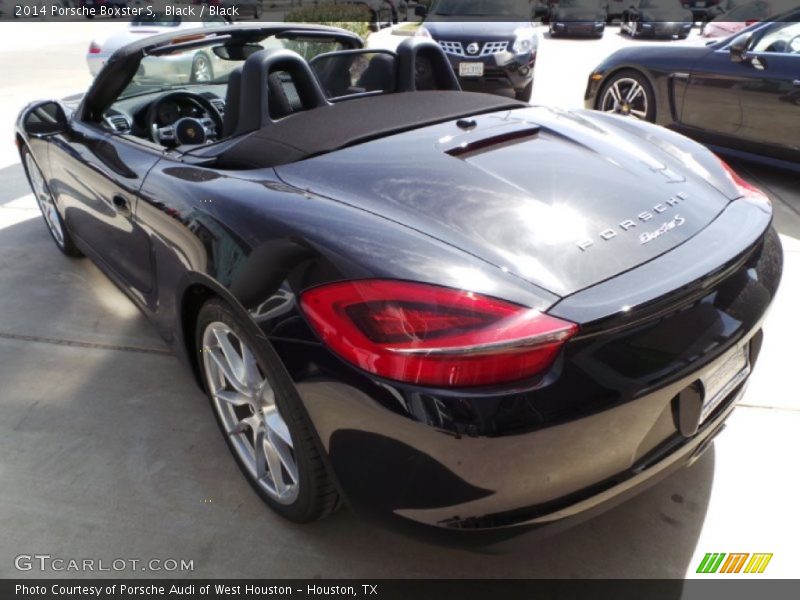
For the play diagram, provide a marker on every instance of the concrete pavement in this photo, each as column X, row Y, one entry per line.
column 108, row 450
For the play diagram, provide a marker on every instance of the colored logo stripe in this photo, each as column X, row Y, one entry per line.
column 733, row 564
column 710, row 562
column 758, row 563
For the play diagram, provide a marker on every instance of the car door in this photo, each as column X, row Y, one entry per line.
column 711, row 106
column 770, row 93
column 97, row 175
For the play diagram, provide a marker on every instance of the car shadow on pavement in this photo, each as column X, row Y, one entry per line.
column 13, row 183
column 115, row 453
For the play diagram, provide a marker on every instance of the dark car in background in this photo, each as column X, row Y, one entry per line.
column 491, row 44
column 656, row 18
column 700, row 9
column 740, row 94
column 578, row 17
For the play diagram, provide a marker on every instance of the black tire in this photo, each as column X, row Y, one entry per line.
column 200, row 64
column 525, row 94
column 641, row 80
column 317, row 495
column 67, row 246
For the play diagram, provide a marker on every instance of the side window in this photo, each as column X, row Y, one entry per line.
column 784, row 38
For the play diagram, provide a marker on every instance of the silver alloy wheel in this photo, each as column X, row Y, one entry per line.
column 245, row 403
column 625, row 96
column 44, row 200
column 201, row 69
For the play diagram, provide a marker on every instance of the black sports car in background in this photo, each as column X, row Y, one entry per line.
column 741, row 93
column 455, row 312
column 491, row 44
column 656, row 18
column 578, row 17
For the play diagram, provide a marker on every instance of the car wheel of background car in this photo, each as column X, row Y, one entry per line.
column 55, row 225
column 525, row 93
column 262, row 417
column 628, row 93
column 201, row 69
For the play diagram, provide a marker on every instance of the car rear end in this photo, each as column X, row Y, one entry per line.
column 637, row 392
column 656, row 265
column 701, row 9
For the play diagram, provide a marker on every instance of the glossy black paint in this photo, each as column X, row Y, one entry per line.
column 750, row 108
column 598, row 426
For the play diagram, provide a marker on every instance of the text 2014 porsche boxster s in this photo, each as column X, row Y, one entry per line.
column 452, row 311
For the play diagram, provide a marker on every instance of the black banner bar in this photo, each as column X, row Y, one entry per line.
column 733, row 588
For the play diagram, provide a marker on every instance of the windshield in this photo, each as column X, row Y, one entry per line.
column 483, row 8
column 654, row 4
column 203, row 65
column 579, row 3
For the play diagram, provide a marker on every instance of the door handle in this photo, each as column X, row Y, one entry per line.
column 121, row 204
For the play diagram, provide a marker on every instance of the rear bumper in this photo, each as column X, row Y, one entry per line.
column 579, row 28
column 607, row 422
column 659, row 29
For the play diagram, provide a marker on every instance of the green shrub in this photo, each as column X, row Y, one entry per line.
column 354, row 17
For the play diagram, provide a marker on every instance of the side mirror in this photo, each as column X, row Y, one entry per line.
column 739, row 47
column 421, row 10
column 45, row 118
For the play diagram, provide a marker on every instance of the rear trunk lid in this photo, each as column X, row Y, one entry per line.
column 562, row 200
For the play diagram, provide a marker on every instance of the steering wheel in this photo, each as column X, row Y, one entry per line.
column 184, row 129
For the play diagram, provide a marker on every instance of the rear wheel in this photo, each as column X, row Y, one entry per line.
column 261, row 417
column 628, row 93
column 46, row 203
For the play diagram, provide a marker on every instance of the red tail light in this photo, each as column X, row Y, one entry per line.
column 746, row 189
column 432, row 335
column 94, row 48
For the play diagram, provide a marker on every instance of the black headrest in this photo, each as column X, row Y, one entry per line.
column 232, row 102
column 254, row 95
column 435, row 73
column 380, row 74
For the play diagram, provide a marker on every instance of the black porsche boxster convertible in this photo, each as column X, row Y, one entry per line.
column 451, row 311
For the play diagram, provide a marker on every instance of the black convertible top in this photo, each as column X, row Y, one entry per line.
column 328, row 128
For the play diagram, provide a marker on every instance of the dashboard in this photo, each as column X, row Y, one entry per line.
column 147, row 114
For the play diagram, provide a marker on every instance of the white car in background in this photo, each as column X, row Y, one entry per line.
column 193, row 65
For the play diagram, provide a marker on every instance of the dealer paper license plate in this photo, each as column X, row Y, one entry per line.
column 470, row 69
column 719, row 383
